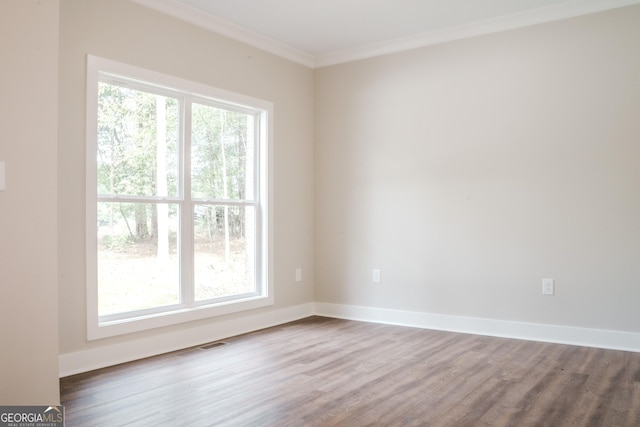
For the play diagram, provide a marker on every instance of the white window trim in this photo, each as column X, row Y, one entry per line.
column 97, row 329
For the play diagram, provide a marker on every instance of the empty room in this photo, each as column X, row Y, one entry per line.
column 321, row 213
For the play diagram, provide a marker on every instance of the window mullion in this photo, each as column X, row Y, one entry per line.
column 187, row 294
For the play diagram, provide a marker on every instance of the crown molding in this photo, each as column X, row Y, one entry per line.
column 228, row 29
column 508, row 22
column 568, row 9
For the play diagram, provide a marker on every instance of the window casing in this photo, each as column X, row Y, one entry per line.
column 177, row 200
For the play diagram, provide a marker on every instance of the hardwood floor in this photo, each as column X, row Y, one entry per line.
column 329, row 372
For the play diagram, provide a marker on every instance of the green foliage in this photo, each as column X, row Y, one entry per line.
column 117, row 242
column 127, row 141
column 127, row 147
column 219, row 152
column 221, row 157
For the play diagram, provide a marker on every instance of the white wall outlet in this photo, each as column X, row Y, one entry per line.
column 2, row 180
column 298, row 275
column 548, row 286
column 376, row 276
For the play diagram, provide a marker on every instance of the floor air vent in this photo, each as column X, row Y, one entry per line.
column 212, row 345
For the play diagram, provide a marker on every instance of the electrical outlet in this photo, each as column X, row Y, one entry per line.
column 298, row 275
column 548, row 286
column 2, row 180
column 376, row 276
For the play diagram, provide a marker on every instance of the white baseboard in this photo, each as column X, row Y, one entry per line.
column 113, row 354
column 614, row 340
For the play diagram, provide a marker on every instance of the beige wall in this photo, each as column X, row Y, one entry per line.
column 126, row 32
column 469, row 171
column 28, row 207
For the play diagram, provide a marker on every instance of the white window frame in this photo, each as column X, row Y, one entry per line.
column 106, row 326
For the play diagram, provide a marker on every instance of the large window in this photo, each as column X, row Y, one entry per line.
column 177, row 200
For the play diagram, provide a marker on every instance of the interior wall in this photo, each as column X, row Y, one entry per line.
column 127, row 32
column 28, row 216
column 469, row 171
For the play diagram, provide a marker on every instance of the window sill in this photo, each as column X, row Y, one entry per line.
column 98, row 330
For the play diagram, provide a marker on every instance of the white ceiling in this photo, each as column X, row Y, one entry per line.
column 324, row 32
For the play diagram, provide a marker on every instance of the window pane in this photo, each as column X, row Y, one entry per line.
column 137, row 142
column 224, row 254
column 222, row 154
column 137, row 256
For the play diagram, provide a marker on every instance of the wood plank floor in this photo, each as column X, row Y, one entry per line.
column 329, row 372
